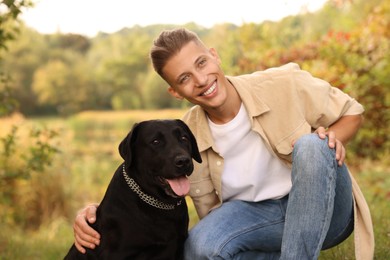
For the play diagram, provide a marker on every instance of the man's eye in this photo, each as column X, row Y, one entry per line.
column 184, row 78
column 202, row 62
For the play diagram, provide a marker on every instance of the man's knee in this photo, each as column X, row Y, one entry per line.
column 311, row 145
column 198, row 246
column 309, row 141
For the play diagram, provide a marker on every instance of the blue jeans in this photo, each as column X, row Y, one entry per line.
column 317, row 214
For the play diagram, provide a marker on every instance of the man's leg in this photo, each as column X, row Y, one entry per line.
column 242, row 230
column 315, row 174
column 239, row 230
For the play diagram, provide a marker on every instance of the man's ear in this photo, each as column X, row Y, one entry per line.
column 174, row 93
column 214, row 53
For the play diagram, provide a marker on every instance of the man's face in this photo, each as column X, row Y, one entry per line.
column 194, row 74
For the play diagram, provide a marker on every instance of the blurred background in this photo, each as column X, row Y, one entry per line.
column 71, row 89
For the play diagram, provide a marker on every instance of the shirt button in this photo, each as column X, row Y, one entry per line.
column 219, row 163
column 197, row 191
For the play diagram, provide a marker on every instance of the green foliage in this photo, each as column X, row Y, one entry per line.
column 81, row 175
column 41, row 153
column 23, row 159
column 9, row 146
column 63, row 87
column 10, row 10
column 7, row 102
column 9, row 28
column 74, row 42
column 361, row 68
column 26, row 54
column 346, row 43
column 29, row 194
column 355, row 60
column 65, row 74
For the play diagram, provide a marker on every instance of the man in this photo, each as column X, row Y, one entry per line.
column 273, row 183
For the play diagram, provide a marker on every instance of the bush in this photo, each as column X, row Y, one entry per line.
column 32, row 191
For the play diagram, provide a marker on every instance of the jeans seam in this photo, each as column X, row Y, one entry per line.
column 282, row 209
column 329, row 179
column 328, row 216
column 244, row 231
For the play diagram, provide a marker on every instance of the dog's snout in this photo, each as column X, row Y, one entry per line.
column 182, row 161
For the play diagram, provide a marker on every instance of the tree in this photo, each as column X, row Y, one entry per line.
column 26, row 53
column 63, row 87
column 9, row 13
column 19, row 160
column 122, row 60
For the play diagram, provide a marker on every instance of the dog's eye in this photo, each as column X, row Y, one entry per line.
column 184, row 138
column 156, row 142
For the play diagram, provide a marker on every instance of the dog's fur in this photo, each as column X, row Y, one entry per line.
column 154, row 151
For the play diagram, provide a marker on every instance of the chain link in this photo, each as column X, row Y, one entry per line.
column 145, row 197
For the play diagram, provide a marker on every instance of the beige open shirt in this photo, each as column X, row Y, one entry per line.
column 283, row 104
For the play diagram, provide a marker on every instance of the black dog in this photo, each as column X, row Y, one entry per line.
column 143, row 214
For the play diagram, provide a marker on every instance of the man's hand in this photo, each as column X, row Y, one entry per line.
column 346, row 127
column 85, row 236
column 333, row 143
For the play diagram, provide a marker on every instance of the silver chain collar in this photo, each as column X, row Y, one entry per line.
column 145, row 197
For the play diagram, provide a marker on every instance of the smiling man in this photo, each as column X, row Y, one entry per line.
column 273, row 183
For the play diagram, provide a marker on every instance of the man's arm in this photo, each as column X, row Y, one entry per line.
column 346, row 127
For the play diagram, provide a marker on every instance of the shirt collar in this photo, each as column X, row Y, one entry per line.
column 245, row 86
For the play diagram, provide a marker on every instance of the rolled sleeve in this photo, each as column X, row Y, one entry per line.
column 324, row 104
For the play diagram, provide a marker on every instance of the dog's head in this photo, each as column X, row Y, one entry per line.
column 158, row 155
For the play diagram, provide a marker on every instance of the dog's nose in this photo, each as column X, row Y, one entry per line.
column 182, row 161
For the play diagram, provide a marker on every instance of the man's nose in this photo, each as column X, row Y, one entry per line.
column 200, row 79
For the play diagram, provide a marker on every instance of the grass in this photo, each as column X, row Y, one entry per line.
column 51, row 241
column 89, row 157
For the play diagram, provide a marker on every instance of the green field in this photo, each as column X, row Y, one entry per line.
column 46, row 203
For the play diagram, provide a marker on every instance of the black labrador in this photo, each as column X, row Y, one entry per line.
column 143, row 214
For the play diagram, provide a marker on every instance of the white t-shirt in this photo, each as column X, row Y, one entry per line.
column 250, row 172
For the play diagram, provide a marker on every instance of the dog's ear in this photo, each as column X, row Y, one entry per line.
column 194, row 146
column 126, row 146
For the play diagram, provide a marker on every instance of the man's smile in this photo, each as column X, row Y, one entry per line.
column 210, row 90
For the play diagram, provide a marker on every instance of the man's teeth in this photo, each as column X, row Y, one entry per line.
column 210, row 90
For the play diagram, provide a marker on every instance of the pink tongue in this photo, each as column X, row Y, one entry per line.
column 180, row 185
